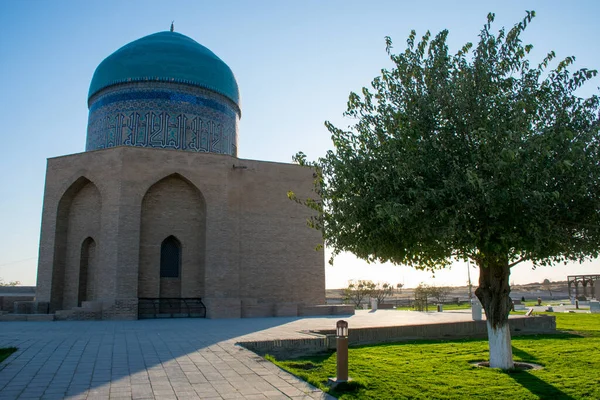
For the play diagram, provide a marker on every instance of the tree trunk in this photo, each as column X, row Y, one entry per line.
column 493, row 292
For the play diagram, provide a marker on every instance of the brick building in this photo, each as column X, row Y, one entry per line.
column 159, row 206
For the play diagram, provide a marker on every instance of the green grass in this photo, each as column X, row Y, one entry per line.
column 442, row 369
column 533, row 302
column 4, row 353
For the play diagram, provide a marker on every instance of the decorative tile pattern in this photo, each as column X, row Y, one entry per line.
column 162, row 116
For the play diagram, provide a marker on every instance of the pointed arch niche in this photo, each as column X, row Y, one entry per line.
column 77, row 222
column 172, row 240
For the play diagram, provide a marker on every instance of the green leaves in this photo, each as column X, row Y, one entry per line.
column 473, row 154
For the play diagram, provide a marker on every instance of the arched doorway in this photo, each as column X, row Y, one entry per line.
column 77, row 220
column 87, row 267
column 170, row 267
column 172, row 240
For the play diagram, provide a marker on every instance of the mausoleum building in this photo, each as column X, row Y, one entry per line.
column 160, row 207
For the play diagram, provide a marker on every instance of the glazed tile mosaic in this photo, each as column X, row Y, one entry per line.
column 161, row 117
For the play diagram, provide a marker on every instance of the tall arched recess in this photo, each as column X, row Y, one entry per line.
column 77, row 219
column 173, row 212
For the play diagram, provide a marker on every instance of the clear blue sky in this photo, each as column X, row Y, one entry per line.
column 295, row 63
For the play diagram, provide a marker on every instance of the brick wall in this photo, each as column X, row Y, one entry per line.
column 172, row 207
column 83, row 223
column 242, row 238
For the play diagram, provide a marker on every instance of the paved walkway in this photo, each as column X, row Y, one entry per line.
column 165, row 359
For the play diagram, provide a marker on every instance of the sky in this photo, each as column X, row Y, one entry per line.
column 295, row 63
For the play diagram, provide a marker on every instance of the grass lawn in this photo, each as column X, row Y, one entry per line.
column 532, row 303
column 4, row 353
column 442, row 369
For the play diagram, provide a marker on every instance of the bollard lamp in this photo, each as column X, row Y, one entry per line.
column 341, row 333
column 341, row 329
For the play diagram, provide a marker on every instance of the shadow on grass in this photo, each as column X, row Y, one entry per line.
column 557, row 335
column 534, row 384
column 525, row 356
column 515, row 336
column 538, row 387
column 351, row 387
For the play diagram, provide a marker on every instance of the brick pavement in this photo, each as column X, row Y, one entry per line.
column 164, row 359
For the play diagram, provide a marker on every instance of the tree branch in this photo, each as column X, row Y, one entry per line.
column 524, row 258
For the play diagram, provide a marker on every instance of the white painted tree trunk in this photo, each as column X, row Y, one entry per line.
column 500, row 346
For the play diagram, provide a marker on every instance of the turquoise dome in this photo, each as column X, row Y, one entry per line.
column 167, row 57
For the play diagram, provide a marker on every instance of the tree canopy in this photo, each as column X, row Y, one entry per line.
column 465, row 155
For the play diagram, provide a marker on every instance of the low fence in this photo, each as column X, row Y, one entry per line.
column 7, row 302
column 171, row 308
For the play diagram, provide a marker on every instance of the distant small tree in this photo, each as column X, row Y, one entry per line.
column 422, row 295
column 381, row 291
column 399, row 287
column 356, row 291
column 440, row 293
column 11, row 283
column 546, row 284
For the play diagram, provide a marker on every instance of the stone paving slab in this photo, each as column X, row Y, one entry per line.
column 166, row 358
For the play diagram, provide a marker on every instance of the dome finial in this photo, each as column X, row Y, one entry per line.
column 173, row 26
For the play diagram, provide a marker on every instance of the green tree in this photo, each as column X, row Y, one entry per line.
column 399, row 287
column 479, row 155
column 439, row 293
column 548, row 285
column 357, row 291
column 422, row 295
column 381, row 291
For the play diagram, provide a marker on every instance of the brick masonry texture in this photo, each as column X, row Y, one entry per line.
column 246, row 248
